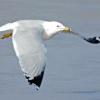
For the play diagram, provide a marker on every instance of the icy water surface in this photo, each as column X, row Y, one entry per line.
column 73, row 66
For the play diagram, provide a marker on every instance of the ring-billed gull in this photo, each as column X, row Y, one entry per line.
column 28, row 38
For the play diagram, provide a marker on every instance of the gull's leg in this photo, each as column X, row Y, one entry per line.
column 6, row 35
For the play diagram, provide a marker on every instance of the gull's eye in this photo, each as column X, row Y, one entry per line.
column 58, row 26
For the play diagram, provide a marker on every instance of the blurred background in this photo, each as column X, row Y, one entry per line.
column 73, row 65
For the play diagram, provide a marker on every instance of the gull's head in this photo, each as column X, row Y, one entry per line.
column 53, row 27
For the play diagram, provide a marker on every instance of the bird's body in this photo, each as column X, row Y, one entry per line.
column 28, row 40
column 29, row 47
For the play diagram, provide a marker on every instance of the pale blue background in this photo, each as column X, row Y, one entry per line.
column 73, row 66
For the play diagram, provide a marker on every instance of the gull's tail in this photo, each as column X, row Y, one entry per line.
column 6, row 27
column 9, row 26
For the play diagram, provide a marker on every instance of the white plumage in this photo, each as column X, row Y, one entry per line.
column 28, row 38
column 28, row 41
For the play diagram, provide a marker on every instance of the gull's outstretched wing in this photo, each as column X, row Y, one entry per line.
column 31, row 53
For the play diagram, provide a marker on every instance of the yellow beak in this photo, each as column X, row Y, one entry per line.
column 67, row 29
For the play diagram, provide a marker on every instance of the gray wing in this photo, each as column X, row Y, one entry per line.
column 31, row 53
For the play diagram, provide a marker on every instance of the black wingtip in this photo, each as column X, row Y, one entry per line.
column 37, row 80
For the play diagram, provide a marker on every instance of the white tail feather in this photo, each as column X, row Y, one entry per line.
column 9, row 26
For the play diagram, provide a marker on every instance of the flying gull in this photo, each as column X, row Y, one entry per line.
column 28, row 38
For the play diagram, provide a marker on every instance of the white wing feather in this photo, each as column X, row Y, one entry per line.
column 29, row 48
column 30, row 51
